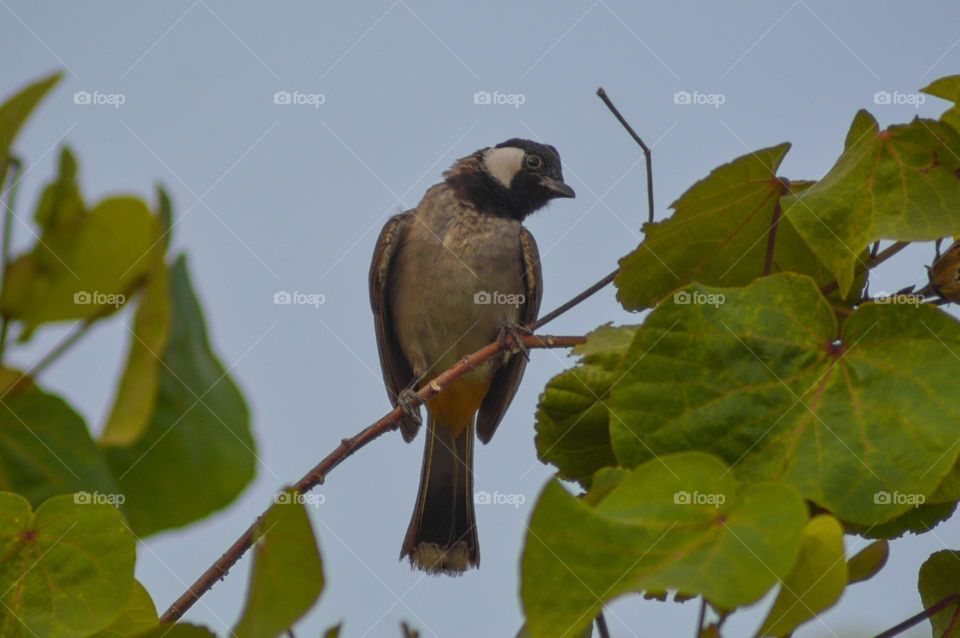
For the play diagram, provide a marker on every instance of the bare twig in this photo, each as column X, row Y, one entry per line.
column 701, row 617
column 589, row 292
column 872, row 263
column 602, row 628
column 79, row 329
column 646, row 149
column 933, row 610
column 347, row 447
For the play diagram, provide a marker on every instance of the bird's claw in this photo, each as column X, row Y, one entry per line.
column 409, row 403
column 516, row 332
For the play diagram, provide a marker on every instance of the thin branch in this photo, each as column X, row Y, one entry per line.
column 348, row 446
column 79, row 330
column 929, row 612
column 8, row 207
column 873, row 262
column 701, row 617
column 602, row 628
column 589, row 292
column 646, row 149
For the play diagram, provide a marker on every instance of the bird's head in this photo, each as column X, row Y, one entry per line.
column 512, row 179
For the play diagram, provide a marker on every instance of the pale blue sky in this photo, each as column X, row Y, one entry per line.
column 290, row 197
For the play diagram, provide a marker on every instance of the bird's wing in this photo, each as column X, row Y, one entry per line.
column 507, row 378
column 397, row 374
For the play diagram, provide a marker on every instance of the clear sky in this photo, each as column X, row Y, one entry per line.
column 273, row 197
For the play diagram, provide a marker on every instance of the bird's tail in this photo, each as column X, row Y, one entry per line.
column 442, row 537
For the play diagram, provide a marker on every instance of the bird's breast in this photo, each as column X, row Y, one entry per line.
column 458, row 278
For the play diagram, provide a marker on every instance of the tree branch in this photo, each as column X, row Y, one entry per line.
column 872, row 263
column 646, row 149
column 933, row 610
column 348, row 446
column 602, row 628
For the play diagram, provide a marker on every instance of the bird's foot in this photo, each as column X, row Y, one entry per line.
column 516, row 332
column 409, row 402
column 411, row 422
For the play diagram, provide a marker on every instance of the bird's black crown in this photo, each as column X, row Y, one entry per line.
column 510, row 184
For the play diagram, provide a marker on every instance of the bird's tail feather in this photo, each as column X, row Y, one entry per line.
column 442, row 536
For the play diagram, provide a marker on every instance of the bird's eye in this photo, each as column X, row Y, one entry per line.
column 533, row 162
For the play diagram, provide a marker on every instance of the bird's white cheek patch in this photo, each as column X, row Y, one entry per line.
column 503, row 163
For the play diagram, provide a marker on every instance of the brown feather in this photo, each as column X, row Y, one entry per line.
column 507, row 378
column 397, row 374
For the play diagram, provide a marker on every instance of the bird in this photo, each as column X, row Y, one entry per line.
column 447, row 278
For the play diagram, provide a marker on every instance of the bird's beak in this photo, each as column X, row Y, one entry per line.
column 560, row 189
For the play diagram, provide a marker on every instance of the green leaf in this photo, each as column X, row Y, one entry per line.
column 862, row 425
column 607, row 341
column 949, row 488
column 287, row 575
column 15, row 111
column 900, row 183
column 83, row 266
column 918, row 520
column 816, row 581
column 61, row 201
column 866, row 563
column 65, row 570
column 572, row 417
column 45, row 447
column 718, row 234
column 939, row 578
column 947, row 88
column 165, row 215
column 139, row 385
column 201, row 427
column 333, row 632
column 678, row 522
column 137, row 390
column 586, row 632
column 139, row 615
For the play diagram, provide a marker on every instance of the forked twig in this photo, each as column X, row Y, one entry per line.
column 646, row 149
